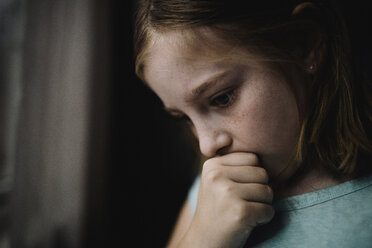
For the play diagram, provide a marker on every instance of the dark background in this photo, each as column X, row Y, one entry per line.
column 151, row 159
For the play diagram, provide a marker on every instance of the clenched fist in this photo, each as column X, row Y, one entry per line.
column 234, row 197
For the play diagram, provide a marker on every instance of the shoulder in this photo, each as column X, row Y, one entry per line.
column 338, row 216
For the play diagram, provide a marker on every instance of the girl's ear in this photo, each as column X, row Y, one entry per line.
column 302, row 6
column 316, row 48
column 315, row 59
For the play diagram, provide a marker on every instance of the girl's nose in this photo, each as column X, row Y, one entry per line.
column 213, row 142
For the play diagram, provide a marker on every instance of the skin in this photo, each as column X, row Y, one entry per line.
column 260, row 116
column 245, row 117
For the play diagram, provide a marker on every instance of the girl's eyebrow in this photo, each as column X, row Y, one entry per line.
column 198, row 91
column 209, row 83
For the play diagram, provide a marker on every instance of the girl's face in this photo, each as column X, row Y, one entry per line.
column 231, row 105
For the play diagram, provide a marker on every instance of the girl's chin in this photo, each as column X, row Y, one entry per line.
column 279, row 171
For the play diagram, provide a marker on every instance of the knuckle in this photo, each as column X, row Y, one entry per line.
column 211, row 176
column 207, row 164
column 252, row 215
column 266, row 214
column 227, row 189
column 263, row 175
column 268, row 190
column 270, row 193
column 210, row 164
column 253, row 159
column 240, row 213
column 265, row 192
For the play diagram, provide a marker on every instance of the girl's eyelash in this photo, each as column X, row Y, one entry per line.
column 224, row 100
column 220, row 100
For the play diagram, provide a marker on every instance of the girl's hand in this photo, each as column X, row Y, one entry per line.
column 234, row 197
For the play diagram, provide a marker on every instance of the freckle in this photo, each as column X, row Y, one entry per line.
column 237, row 119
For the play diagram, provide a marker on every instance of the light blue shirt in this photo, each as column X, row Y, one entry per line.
column 339, row 216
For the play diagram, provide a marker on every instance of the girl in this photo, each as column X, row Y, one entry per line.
column 268, row 90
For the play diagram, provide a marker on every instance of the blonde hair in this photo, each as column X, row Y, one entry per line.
column 335, row 130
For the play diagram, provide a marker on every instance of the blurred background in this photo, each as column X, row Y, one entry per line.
column 87, row 156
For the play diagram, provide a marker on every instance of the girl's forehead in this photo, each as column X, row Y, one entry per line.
column 201, row 50
column 191, row 43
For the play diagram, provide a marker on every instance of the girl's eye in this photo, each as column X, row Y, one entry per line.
column 223, row 100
